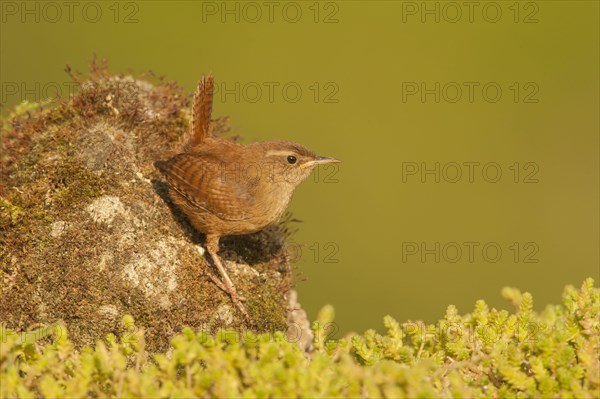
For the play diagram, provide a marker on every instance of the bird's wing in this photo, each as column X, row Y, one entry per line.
column 203, row 180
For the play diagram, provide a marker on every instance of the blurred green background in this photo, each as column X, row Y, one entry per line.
column 393, row 89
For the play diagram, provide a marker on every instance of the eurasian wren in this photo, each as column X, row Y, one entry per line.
column 226, row 188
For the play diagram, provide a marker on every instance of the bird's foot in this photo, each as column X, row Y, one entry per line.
column 232, row 292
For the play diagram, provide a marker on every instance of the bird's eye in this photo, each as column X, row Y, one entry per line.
column 291, row 159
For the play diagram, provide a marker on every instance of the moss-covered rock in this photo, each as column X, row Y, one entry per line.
column 87, row 232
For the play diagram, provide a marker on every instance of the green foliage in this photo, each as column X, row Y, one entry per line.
column 487, row 353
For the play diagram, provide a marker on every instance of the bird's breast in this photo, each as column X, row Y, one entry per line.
column 270, row 203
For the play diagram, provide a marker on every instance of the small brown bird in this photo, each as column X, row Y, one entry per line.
column 226, row 188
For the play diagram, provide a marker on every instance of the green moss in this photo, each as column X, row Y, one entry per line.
column 24, row 108
column 75, row 184
column 557, row 358
column 265, row 306
column 10, row 213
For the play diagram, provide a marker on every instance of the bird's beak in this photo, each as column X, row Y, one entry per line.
column 321, row 160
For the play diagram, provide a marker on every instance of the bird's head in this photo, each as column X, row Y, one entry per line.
column 291, row 163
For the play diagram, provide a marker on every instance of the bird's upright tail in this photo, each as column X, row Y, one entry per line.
column 201, row 111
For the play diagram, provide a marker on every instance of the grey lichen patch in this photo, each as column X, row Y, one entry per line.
column 109, row 311
column 105, row 209
column 297, row 324
column 88, row 234
column 154, row 272
column 58, row 229
column 106, row 259
column 224, row 315
column 97, row 147
column 240, row 270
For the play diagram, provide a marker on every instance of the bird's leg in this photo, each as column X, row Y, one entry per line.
column 212, row 246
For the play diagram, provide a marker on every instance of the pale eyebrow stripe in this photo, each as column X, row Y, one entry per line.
column 278, row 152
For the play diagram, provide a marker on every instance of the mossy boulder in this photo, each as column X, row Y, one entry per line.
column 88, row 233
